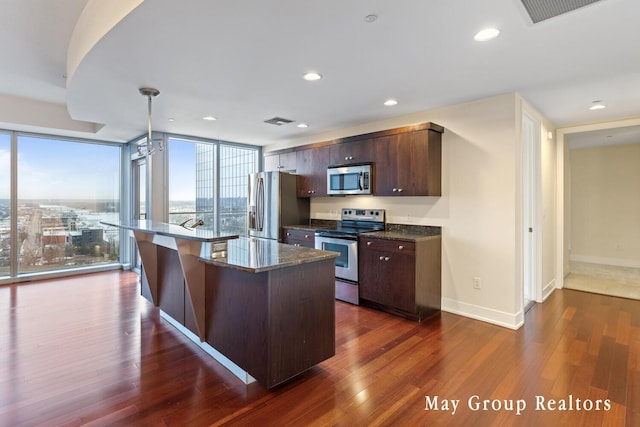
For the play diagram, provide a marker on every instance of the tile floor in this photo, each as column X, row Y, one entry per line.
column 604, row 279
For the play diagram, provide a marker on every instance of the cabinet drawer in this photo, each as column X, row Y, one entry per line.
column 296, row 236
column 393, row 246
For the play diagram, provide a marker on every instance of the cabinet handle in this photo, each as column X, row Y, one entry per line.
column 308, row 191
column 288, row 234
column 386, row 258
column 399, row 190
column 369, row 243
column 381, row 258
column 395, row 189
column 313, row 191
column 349, row 158
column 306, row 236
column 401, row 247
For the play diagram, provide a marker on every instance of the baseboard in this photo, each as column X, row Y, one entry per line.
column 489, row 315
column 618, row 262
column 548, row 289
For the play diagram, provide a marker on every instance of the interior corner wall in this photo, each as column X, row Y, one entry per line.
column 477, row 210
column 605, row 205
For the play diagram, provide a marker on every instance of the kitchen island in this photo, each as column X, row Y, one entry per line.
column 264, row 310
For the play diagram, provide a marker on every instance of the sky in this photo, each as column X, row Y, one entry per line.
column 56, row 169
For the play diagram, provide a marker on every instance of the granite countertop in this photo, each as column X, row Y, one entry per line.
column 301, row 227
column 401, row 235
column 172, row 230
column 257, row 255
column 408, row 233
column 316, row 224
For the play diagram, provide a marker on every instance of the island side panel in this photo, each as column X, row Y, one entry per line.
column 171, row 293
column 301, row 318
column 236, row 317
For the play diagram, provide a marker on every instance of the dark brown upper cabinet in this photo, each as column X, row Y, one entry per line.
column 406, row 161
column 312, row 171
column 408, row 164
column 351, row 152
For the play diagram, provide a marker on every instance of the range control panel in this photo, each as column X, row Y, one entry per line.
column 373, row 215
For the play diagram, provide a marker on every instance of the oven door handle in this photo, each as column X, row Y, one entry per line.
column 336, row 236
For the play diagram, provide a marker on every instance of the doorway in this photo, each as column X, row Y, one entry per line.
column 599, row 268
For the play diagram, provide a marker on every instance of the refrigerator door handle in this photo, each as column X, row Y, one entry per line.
column 260, row 204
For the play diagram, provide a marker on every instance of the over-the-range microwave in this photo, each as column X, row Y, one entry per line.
column 349, row 179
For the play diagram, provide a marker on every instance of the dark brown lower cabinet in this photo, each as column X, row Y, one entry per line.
column 399, row 276
column 298, row 237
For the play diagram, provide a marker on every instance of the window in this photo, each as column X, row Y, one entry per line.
column 5, row 204
column 208, row 181
column 236, row 163
column 65, row 188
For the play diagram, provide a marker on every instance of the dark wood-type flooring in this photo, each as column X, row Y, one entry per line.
column 88, row 350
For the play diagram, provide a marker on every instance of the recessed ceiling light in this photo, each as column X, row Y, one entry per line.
column 302, row 125
column 390, row 102
column 371, row 18
column 486, row 34
column 312, row 76
column 597, row 105
column 171, row 119
column 209, row 118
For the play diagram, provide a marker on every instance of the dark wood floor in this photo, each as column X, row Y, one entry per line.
column 88, row 351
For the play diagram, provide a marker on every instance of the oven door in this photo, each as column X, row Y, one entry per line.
column 347, row 262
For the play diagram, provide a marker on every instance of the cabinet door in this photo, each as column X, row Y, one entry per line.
column 372, row 278
column 312, row 171
column 388, row 277
column 400, row 272
column 271, row 162
column 352, row 152
column 288, row 161
column 285, row 162
column 408, row 164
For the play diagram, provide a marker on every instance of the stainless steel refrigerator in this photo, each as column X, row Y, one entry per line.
column 273, row 203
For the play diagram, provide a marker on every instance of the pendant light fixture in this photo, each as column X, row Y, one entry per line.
column 150, row 93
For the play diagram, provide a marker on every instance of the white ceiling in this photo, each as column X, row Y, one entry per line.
column 242, row 61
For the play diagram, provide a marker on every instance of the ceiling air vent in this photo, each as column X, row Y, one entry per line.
column 539, row 10
column 278, row 121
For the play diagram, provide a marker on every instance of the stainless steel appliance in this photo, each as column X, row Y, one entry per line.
column 272, row 204
column 344, row 240
column 349, row 179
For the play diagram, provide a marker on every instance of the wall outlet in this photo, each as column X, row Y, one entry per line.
column 476, row 283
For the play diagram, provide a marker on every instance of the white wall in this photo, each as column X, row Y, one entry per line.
column 479, row 209
column 605, row 205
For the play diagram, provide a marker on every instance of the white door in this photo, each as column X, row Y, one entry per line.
column 531, row 185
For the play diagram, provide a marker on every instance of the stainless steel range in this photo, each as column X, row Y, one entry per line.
column 344, row 240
